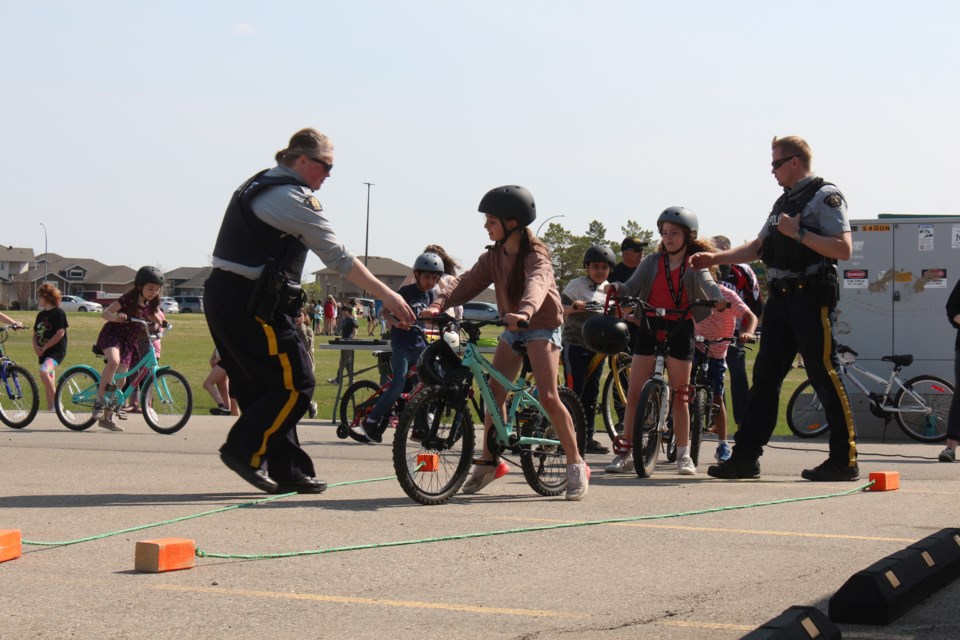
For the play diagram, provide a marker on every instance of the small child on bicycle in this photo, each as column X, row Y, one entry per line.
column 582, row 299
column 665, row 280
column 119, row 340
column 407, row 342
column 50, row 339
column 518, row 265
column 722, row 324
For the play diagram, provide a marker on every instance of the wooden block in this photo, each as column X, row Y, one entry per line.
column 428, row 462
column 11, row 544
column 885, row 480
column 165, row 554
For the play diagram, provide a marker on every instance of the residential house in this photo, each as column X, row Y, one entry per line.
column 75, row 275
column 186, row 281
column 14, row 261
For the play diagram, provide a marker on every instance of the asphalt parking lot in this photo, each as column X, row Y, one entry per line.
column 667, row 557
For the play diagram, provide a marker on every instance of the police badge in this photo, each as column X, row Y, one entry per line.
column 833, row 200
column 313, row 203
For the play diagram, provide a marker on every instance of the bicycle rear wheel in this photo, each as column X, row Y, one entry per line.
column 698, row 420
column 19, row 398
column 923, row 416
column 357, row 403
column 805, row 415
column 433, row 445
column 167, row 402
column 614, row 397
column 545, row 466
column 646, row 428
column 74, row 398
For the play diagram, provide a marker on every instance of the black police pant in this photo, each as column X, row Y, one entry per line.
column 270, row 376
column 792, row 323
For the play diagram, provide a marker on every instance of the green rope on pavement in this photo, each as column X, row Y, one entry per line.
column 191, row 517
column 501, row 532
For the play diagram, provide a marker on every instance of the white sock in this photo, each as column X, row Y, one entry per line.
column 681, row 451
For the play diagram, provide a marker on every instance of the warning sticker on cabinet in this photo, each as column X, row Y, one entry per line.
column 934, row 278
column 925, row 237
column 854, row 278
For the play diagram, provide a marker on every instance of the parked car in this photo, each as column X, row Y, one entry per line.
column 480, row 311
column 76, row 303
column 169, row 305
column 190, row 304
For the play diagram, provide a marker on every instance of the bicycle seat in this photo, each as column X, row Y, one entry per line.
column 900, row 361
column 97, row 351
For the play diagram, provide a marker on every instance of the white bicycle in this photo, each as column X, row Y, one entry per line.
column 919, row 404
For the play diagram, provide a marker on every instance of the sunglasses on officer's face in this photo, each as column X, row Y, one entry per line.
column 776, row 164
column 327, row 165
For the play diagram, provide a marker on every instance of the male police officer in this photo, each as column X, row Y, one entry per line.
column 254, row 289
column 631, row 253
column 806, row 233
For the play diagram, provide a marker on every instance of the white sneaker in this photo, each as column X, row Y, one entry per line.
column 685, row 466
column 620, row 464
column 482, row 475
column 578, row 480
column 109, row 424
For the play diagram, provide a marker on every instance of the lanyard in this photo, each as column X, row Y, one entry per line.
column 677, row 297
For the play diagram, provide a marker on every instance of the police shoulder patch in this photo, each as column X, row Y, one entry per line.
column 313, row 203
column 833, row 200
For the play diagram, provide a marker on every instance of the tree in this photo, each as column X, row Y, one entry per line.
column 634, row 229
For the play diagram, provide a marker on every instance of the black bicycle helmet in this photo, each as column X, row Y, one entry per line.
column 148, row 275
column 599, row 253
column 429, row 262
column 436, row 361
column 510, row 202
column 606, row 334
column 681, row 216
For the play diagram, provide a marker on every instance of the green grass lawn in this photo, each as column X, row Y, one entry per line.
column 187, row 349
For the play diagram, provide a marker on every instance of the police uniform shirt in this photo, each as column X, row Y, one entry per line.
column 296, row 211
column 824, row 215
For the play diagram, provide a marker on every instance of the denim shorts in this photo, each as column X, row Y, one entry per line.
column 529, row 335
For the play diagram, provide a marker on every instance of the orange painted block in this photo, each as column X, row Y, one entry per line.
column 885, row 480
column 11, row 544
column 164, row 554
column 428, row 462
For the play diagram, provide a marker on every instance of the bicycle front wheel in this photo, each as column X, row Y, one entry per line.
column 167, row 402
column 614, row 397
column 433, row 445
column 698, row 421
column 923, row 410
column 19, row 398
column 646, row 428
column 545, row 466
column 805, row 415
column 74, row 398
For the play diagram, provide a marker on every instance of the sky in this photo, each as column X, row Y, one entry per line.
column 126, row 126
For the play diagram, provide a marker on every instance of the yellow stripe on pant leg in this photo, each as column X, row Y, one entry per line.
column 838, row 386
column 284, row 360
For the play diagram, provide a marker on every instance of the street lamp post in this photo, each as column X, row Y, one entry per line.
column 46, row 259
column 559, row 215
column 366, row 244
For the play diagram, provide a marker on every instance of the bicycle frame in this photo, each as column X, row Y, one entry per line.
column 5, row 363
column 885, row 406
column 522, row 399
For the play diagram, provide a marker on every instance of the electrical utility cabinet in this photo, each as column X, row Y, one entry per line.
column 893, row 296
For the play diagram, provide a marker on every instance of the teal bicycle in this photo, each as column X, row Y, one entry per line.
column 433, row 446
column 165, row 396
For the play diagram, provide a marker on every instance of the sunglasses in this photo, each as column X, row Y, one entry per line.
column 327, row 165
column 776, row 164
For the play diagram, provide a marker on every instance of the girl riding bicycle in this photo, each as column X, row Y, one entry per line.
column 406, row 343
column 665, row 280
column 119, row 340
column 49, row 339
column 518, row 265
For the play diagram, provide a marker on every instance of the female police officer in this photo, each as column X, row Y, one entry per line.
column 272, row 220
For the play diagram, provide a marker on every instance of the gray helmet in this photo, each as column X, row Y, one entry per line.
column 681, row 216
column 510, row 202
column 606, row 334
column 148, row 275
column 600, row 253
column 429, row 262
